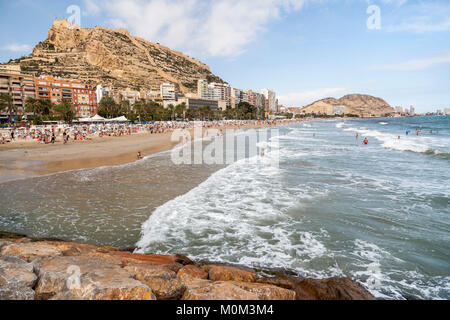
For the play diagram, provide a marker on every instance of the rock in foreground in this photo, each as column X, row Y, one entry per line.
column 57, row 270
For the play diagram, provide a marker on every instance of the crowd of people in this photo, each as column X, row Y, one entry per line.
column 49, row 134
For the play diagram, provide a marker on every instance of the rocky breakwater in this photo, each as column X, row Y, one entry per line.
column 32, row 269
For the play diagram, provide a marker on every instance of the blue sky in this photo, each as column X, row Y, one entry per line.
column 303, row 49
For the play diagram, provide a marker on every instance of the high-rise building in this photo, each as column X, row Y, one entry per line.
column 19, row 87
column 271, row 101
column 168, row 92
column 220, row 92
column 412, row 110
column 202, row 89
column 82, row 96
column 398, row 109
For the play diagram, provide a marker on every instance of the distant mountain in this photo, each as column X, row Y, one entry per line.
column 359, row 104
column 112, row 57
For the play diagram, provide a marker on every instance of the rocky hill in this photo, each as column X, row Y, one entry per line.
column 112, row 58
column 359, row 104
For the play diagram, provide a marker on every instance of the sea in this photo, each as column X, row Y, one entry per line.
column 318, row 203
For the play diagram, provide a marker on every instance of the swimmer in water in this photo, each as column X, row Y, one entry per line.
column 357, row 135
column 398, row 137
column 262, row 153
column 366, row 141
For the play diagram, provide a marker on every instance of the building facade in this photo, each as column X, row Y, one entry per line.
column 19, row 87
column 271, row 101
column 168, row 92
column 82, row 96
column 196, row 103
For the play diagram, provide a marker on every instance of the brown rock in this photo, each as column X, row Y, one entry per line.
column 226, row 273
column 86, row 278
column 206, row 290
column 192, row 271
column 30, row 251
column 149, row 259
column 16, row 279
column 163, row 282
column 266, row 291
column 329, row 289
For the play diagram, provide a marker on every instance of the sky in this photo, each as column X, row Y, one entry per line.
column 304, row 50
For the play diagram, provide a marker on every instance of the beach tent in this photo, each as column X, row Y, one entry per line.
column 119, row 119
column 85, row 120
column 97, row 118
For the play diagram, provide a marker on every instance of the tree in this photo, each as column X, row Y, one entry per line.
column 107, row 107
column 181, row 110
column 32, row 105
column 7, row 104
column 65, row 111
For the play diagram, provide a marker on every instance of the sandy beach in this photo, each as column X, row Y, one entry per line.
column 22, row 159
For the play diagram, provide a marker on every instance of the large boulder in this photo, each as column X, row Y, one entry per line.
column 231, row 290
column 227, row 273
column 16, row 279
column 193, row 272
column 169, row 262
column 30, row 251
column 87, row 278
column 322, row 289
column 162, row 281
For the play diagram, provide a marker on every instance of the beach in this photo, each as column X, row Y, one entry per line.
column 22, row 159
column 330, row 207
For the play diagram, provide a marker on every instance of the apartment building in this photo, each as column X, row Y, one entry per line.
column 168, row 92
column 271, row 103
column 82, row 96
column 19, row 87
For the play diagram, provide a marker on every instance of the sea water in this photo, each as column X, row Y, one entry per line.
column 332, row 206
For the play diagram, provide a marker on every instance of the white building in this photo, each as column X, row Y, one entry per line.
column 271, row 101
column 168, row 92
column 447, row 111
column 398, row 109
column 101, row 92
column 202, row 89
column 412, row 110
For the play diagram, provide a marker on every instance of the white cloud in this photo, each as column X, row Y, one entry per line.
column 18, row 47
column 91, row 8
column 422, row 18
column 206, row 28
column 304, row 98
column 417, row 64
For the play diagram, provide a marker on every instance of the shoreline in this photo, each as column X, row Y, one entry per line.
column 22, row 160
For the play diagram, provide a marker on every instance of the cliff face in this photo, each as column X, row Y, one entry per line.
column 362, row 105
column 112, row 58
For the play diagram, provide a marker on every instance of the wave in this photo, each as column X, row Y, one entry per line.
column 391, row 141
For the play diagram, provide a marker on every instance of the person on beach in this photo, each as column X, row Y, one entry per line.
column 139, row 156
column 262, row 153
column 366, row 141
column 357, row 135
column 12, row 135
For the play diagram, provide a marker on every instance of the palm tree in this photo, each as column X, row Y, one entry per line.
column 7, row 104
column 32, row 105
column 65, row 110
